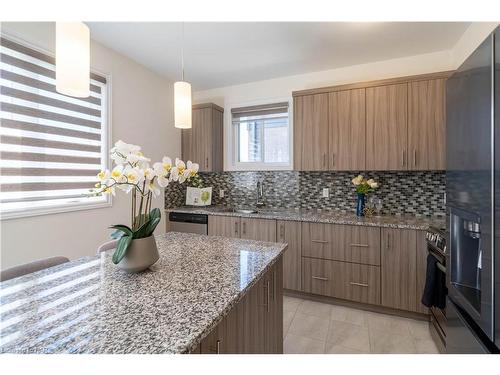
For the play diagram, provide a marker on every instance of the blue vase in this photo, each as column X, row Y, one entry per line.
column 360, row 205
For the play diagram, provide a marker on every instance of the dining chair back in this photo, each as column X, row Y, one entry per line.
column 37, row 265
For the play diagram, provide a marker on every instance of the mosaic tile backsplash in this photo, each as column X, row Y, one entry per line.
column 416, row 193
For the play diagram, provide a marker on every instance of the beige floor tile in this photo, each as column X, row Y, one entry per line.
column 291, row 303
column 349, row 315
column 426, row 346
column 387, row 324
column 419, row 329
column 339, row 349
column 322, row 310
column 295, row 344
column 388, row 343
column 287, row 320
column 349, row 335
column 309, row 326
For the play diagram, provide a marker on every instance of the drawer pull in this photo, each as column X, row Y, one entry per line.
column 319, row 241
column 320, row 278
column 359, row 284
column 359, row 245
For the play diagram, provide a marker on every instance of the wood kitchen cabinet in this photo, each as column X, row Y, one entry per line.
column 399, row 268
column 255, row 324
column 427, row 125
column 225, row 226
column 290, row 232
column 347, row 131
column 310, row 121
column 203, row 143
column 386, row 127
column 258, row 229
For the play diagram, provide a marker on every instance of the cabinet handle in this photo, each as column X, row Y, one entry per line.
column 267, row 295
column 217, row 347
column 206, row 163
column 274, row 286
column 319, row 241
column 333, row 159
column 324, row 159
column 319, row 278
column 244, row 228
column 402, row 157
column 236, row 228
column 282, row 231
column 414, row 157
column 359, row 284
column 359, row 245
column 388, row 241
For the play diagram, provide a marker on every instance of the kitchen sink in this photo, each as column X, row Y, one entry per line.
column 246, row 211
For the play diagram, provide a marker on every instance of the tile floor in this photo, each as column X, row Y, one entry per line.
column 313, row 327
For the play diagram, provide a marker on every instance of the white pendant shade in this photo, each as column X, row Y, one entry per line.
column 182, row 105
column 73, row 59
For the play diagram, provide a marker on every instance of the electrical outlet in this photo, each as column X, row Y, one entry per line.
column 221, row 193
column 326, row 193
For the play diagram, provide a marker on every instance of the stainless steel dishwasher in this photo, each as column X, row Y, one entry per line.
column 188, row 223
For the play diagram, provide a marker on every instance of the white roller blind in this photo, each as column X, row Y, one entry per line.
column 51, row 145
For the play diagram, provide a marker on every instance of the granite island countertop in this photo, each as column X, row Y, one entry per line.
column 322, row 216
column 91, row 306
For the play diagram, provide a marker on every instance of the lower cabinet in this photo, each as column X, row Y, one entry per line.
column 247, row 228
column 290, row 232
column 255, row 324
column 355, row 282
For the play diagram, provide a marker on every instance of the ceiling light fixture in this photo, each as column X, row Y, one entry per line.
column 182, row 97
column 73, row 59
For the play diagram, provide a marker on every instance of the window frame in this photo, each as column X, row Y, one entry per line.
column 107, row 200
column 235, row 164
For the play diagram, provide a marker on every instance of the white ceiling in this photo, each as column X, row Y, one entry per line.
column 220, row 54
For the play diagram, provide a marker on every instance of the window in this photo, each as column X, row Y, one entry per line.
column 261, row 136
column 52, row 146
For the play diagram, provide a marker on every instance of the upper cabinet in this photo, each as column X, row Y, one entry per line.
column 427, row 125
column 203, row 143
column 310, row 115
column 395, row 124
column 347, row 135
column 386, row 128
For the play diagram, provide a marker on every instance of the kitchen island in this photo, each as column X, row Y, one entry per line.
column 205, row 294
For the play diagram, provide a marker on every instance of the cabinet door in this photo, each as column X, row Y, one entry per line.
column 325, row 241
column 202, row 137
column 225, row 226
column 258, row 229
column 216, row 151
column 215, row 341
column 427, row 125
column 347, row 130
column 310, row 122
column 421, row 271
column 386, row 127
column 290, row 233
column 399, row 268
column 363, row 245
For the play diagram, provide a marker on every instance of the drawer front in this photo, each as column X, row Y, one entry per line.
column 349, row 243
column 323, row 241
column 355, row 282
column 363, row 245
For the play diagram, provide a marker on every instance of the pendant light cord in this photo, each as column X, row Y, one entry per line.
column 182, row 51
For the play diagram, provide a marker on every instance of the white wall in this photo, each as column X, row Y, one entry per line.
column 142, row 113
column 280, row 89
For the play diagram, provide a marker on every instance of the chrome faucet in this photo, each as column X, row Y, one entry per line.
column 260, row 194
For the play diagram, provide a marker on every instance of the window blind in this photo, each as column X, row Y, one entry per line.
column 259, row 111
column 51, row 145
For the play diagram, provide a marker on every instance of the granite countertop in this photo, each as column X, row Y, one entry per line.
column 322, row 216
column 91, row 306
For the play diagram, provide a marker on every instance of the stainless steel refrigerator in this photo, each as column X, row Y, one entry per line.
column 473, row 202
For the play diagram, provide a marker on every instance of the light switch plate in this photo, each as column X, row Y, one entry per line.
column 221, row 193
column 326, row 193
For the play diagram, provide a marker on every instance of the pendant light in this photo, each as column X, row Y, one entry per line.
column 73, row 59
column 182, row 97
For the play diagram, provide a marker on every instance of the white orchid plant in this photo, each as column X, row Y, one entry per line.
column 364, row 186
column 132, row 173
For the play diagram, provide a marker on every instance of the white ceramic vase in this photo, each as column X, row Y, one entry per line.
column 141, row 254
